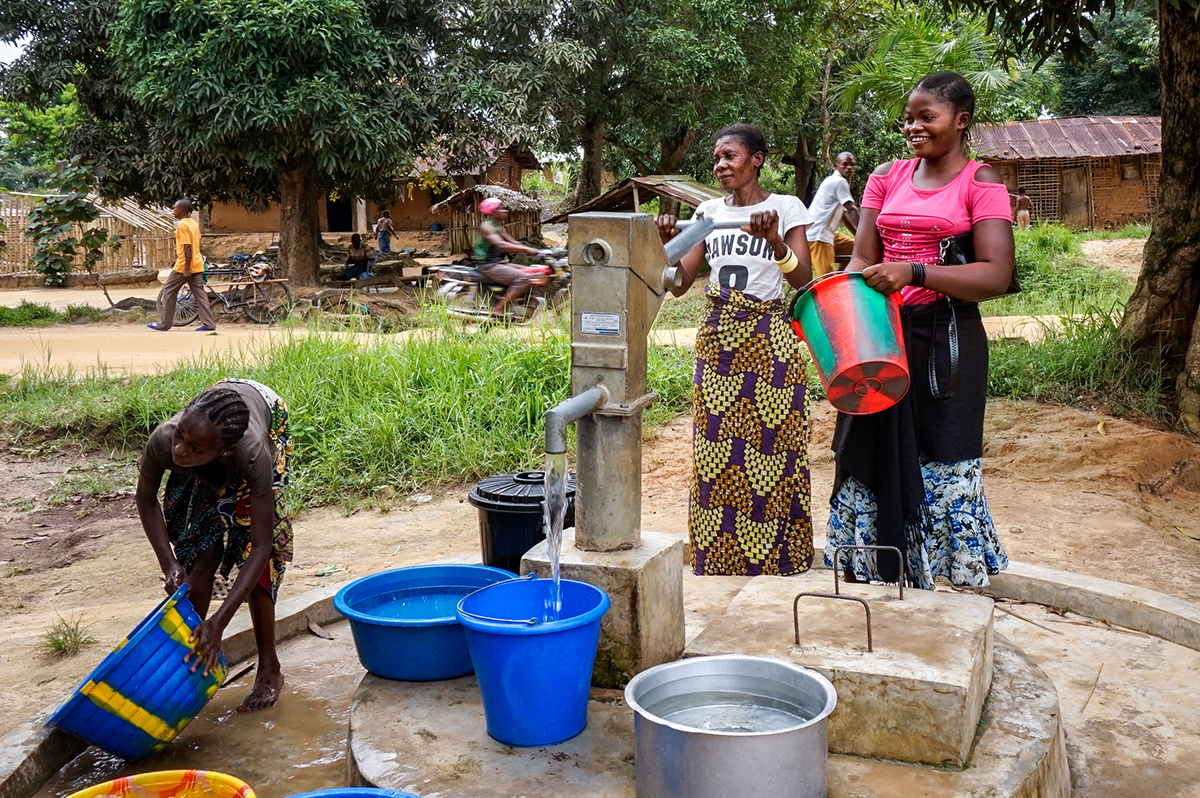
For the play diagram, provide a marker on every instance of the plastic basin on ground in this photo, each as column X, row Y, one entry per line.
column 171, row 784
column 142, row 694
column 355, row 792
column 403, row 620
column 534, row 674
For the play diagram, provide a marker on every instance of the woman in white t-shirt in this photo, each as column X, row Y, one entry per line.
column 749, row 512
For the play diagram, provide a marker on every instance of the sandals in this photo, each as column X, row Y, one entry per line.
column 158, row 327
column 205, row 328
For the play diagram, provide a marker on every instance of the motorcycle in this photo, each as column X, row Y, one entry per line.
column 469, row 295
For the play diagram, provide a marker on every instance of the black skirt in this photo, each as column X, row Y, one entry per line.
column 940, row 419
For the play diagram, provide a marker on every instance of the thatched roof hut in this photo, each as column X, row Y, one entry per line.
column 525, row 214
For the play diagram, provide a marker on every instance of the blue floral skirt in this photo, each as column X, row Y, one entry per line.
column 958, row 542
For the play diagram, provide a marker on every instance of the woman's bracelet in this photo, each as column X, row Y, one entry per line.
column 918, row 273
column 788, row 262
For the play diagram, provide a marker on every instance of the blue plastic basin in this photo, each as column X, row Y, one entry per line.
column 355, row 792
column 142, row 694
column 403, row 620
column 534, row 673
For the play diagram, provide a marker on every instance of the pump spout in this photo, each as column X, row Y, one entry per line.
column 560, row 417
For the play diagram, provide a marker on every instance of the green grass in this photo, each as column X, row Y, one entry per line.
column 65, row 638
column 1056, row 278
column 682, row 312
column 439, row 407
column 31, row 314
column 1130, row 230
column 1084, row 362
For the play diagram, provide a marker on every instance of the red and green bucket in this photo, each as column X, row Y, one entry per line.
column 857, row 344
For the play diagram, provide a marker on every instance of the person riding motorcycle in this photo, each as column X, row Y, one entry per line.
column 492, row 246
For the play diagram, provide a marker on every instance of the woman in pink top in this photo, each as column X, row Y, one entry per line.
column 911, row 476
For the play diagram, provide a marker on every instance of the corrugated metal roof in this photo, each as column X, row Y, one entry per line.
column 688, row 190
column 1069, row 137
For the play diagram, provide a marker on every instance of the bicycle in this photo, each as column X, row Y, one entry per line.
column 263, row 298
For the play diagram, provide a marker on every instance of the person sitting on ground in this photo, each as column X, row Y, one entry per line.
column 228, row 452
column 384, row 230
column 359, row 258
column 1024, row 207
column 492, row 247
column 833, row 204
column 188, row 270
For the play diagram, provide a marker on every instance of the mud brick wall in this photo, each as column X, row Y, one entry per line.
column 1121, row 189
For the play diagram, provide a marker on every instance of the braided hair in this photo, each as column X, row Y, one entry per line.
column 225, row 409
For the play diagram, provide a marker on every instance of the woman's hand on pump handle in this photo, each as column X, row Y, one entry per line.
column 764, row 224
column 666, row 226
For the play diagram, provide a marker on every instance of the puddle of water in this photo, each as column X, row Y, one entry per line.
column 297, row 746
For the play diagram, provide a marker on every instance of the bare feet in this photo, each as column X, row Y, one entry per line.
column 266, row 690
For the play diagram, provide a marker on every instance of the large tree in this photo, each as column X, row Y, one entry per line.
column 1121, row 74
column 254, row 101
column 660, row 73
column 1161, row 319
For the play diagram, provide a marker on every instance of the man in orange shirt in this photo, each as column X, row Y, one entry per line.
column 188, row 269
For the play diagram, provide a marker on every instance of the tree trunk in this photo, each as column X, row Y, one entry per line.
column 805, row 156
column 591, row 136
column 673, row 149
column 1161, row 318
column 300, row 224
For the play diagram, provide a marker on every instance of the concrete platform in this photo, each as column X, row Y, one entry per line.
column 644, row 625
column 430, row 739
column 917, row 698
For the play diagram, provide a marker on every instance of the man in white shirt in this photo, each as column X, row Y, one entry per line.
column 832, row 205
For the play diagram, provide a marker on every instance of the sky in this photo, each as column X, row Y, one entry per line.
column 8, row 52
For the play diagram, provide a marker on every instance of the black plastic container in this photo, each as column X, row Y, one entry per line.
column 511, row 515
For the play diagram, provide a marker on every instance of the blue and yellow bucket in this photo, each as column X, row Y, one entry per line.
column 143, row 694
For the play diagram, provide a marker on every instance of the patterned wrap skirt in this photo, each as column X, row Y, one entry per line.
column 199, row 517
column 749, row 512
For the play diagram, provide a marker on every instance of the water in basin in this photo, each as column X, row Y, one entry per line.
column 415, row 604
column 730, row 712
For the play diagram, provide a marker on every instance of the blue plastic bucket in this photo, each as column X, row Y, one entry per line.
column 142, row 695
column 534, row 674
column 403, row 620
column 355, row 792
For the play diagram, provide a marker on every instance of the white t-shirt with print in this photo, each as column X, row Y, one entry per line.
column 741, row 261
column 827, row 207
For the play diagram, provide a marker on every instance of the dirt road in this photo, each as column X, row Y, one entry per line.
column 136, row 349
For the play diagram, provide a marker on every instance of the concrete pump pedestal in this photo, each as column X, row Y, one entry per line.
column 430, row 738
column 644, row 626
column 917, row 698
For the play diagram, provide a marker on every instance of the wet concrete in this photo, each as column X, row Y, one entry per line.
column 296, row 746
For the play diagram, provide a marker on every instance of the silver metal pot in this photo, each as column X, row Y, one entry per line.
column 717, row 727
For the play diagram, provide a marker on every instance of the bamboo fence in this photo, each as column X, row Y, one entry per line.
column 147, row 235
column 524, row 220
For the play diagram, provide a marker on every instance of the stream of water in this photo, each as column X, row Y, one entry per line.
column 555, row 513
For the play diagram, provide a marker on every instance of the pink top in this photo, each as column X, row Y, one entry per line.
column 912, row 221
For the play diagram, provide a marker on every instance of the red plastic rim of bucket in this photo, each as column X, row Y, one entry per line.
column 859, row 386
